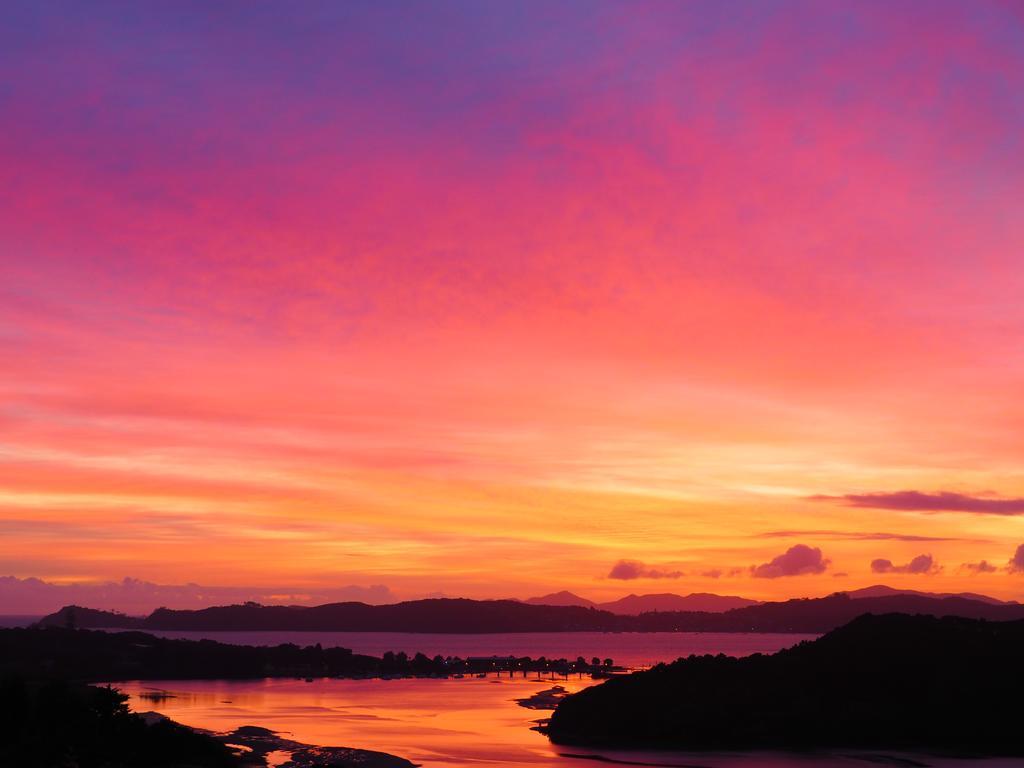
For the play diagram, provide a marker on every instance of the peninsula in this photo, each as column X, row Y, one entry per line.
column 895, row 682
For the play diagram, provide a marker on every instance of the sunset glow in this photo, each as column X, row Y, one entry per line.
column 480, row 300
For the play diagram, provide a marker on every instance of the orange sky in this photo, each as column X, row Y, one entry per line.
column 461, row 303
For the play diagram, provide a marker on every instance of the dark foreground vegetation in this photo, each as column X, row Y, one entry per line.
column 881, row 682
column 51, row 717
column 88, row 655
column 57, row 724
column 812, row 616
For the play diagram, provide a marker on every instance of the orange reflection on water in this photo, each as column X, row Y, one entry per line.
column 440, row 722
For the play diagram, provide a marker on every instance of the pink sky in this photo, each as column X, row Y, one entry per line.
column 478, row 300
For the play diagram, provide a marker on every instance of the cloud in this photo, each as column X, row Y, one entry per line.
column 923, row 565
column 943, row 501
column 36, row 597
column 798, row 560
column 1016, row 564
column 627, row 570
column 855, row 535
column 718, row 573
column 983, row 567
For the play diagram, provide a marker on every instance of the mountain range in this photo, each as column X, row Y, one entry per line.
column 808, row 615
column 634, row 605
column 880, row 590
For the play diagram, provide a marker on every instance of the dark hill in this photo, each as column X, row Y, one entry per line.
column 634, row 605
column 77, row 617
column 823, row 614
column 440, row 615
column 811, row 616
column 560, row 598
column 82, row 655
column 44, row 724
column 881, row 590
column 880, row 682
column 90, row 656
column 703, row 602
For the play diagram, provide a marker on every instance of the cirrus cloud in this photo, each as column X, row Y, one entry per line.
column 856, row 535
column 919, row 501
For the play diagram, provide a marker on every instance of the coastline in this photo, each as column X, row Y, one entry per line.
column 257, row 746
column 484, row 719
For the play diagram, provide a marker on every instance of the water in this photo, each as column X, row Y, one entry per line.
column 457, row 723
column 630, row 649
column 437, row 723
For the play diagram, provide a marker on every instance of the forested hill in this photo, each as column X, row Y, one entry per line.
column 881, row 682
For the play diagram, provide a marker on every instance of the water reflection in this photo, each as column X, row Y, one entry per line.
column 631, row 649
column 438, row 723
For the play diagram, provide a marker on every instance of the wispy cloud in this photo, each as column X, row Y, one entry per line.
column 364, row 343
column 857, row 536
column 984, row 566
column 718, row 573
column 627, row 570
column 920, row 501
column 922, row 565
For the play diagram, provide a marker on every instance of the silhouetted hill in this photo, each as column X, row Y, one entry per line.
column 880, row 682
column 812, row 616
column 438, row 615
column 634, row 605
column 560, row 598
column 45, row 724
column 703, row 602
column 84, row 655
column 880, row 590
column 824, row 614
column 77, row 617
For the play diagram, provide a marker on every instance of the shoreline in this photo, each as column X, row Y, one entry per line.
column 258, row 744
column 258, row 747
column 655, row 755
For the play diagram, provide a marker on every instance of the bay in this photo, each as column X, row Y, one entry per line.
column 443, row 723
column 471, row 721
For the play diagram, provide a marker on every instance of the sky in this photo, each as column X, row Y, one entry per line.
column 495, row 299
